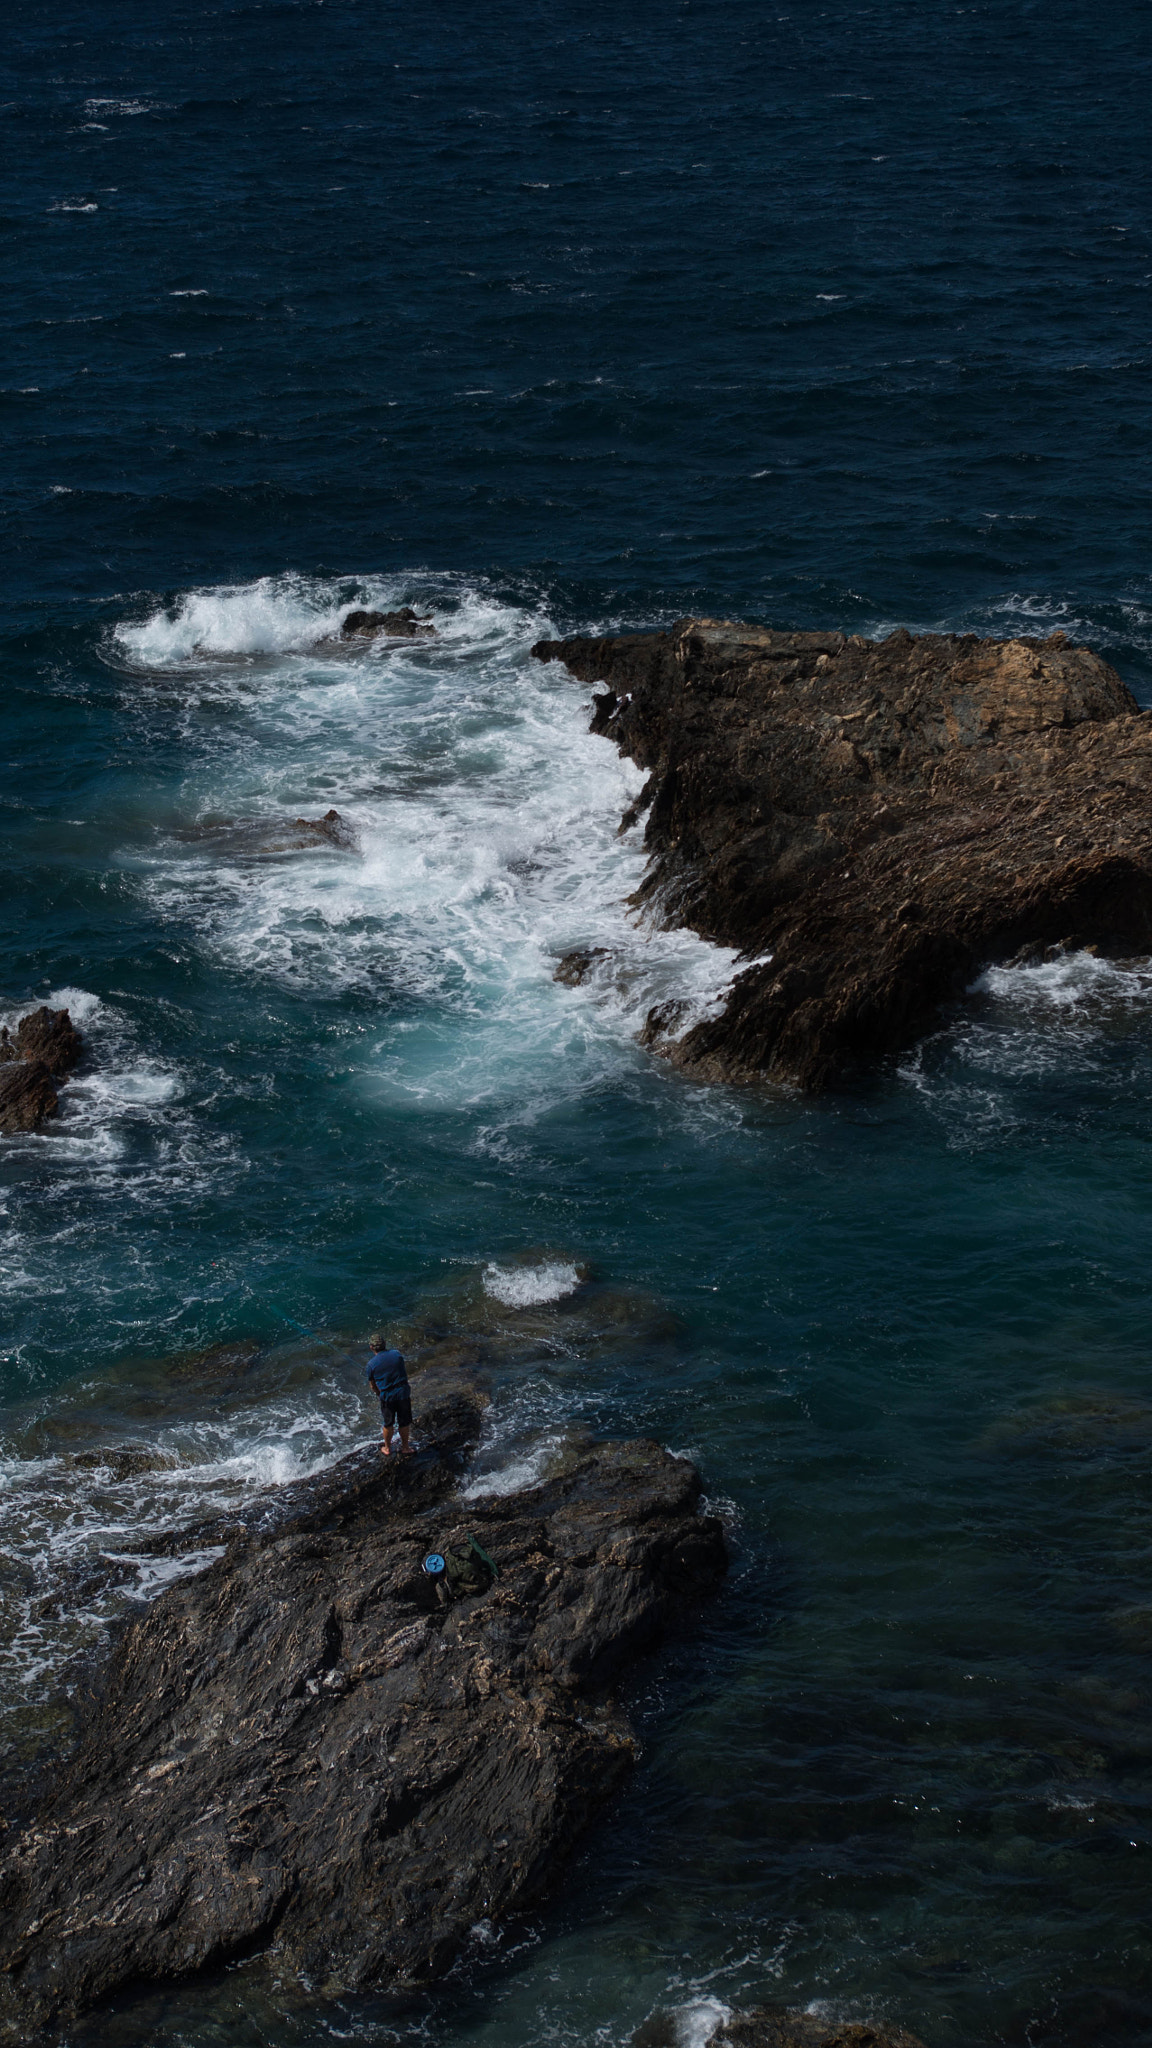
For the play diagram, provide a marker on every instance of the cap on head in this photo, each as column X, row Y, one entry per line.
column 377, row 1341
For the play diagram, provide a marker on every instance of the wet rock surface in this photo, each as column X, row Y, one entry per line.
column 883, row 819
column 46, row 1046
column 765, row 2026
column 404, row 624
column 51, row 1036
column 303, row 1750
column 331, row 827
column 577, row 966
column 27, row 1096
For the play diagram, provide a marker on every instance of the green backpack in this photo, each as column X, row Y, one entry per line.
column 467, row 1572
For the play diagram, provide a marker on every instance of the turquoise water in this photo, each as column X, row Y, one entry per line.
column 550, row 323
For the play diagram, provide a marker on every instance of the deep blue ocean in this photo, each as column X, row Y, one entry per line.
column 544, row 318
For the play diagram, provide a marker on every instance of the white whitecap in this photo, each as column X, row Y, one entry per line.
column 276, row 615
column 531, row 1286
column 1071, row 981
column 82, row 1006
column 698, row 2020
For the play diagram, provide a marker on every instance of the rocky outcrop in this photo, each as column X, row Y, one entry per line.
column 881, row 818
column 27, row 1096
column 402, row 625
column 303, row 1750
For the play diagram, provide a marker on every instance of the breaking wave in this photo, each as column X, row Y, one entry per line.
column 531, row 1286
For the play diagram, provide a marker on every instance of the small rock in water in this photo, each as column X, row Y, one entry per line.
column 402, row 625
column 27, row 1096
column 123, row 1461
column 331, row 827
column 576, row 966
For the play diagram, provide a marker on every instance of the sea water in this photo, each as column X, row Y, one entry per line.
column 544, row 320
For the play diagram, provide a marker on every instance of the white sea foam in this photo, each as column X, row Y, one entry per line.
column 697, row 2021
column 1071, row 981
column 485, row 817
column 59, row 1520
column 529, row 1286
column 1060, row 1020
column 277, row 615
column 82, row 1006
column 125, row 1130
column 525, row 1431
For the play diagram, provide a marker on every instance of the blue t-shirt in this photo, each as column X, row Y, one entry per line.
column 386, row 1372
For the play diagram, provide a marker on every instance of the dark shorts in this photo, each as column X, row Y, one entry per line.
column 399, row 1411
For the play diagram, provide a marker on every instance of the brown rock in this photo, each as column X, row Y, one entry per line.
column 51, row 1036
column 27, row 1096
column 883, row 819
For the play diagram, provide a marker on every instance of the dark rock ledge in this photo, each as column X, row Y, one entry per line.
column 884, row 818
column 300, row 1751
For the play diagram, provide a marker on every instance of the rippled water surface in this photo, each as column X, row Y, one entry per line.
column 547, row 319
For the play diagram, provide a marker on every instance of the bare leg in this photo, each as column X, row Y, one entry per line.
column 406, row 1450
column 386, row 1446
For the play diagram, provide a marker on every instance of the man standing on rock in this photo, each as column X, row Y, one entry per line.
column 387, row 1375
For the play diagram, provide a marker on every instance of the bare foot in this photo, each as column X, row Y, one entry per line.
column 409, row 1451
column 385, row 1450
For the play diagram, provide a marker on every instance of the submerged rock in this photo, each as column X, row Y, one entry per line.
column 882, row 819
column 124, row 1461
column 27, row 1096
column 575, row 967
column 402, row 625
column 302, row 1750
column 330, row 827
column 764, row 2026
